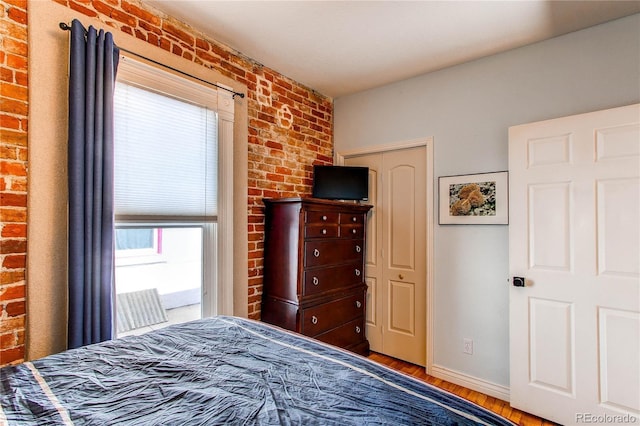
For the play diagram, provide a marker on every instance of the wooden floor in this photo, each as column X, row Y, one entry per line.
column 497, row 406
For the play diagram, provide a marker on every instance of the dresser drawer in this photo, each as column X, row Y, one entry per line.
column 328, row 230
column 319, row 253
column 320, row 318
column 352, row 231
column 352, row 218
column 318, row 217
column 345, row 335
column 319, row 280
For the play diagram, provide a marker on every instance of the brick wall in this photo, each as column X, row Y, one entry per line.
column 290, row 129
column 13, row 177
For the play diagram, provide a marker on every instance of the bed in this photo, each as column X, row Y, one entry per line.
column 222, row 371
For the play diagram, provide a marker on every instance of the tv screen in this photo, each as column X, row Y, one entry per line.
column 341, row 182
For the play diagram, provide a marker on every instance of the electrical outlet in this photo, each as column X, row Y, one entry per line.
column 467, row 346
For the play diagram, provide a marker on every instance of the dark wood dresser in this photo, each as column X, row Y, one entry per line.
column 314, row 269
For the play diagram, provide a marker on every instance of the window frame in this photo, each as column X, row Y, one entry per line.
column 218, row 267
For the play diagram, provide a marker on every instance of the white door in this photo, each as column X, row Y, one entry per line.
column 574, row 236
column 396, row 253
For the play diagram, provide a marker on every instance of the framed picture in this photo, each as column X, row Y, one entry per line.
column 480, row 199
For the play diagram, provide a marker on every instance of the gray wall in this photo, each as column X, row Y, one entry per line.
column 468, row 110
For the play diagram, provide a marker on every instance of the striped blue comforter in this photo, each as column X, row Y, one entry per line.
column 222, row 371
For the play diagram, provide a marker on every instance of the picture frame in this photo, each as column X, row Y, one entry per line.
column 474, row 199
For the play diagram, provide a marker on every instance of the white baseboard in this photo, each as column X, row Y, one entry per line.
column 470, row 382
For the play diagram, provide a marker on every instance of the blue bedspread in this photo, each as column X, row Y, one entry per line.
column 222, row 371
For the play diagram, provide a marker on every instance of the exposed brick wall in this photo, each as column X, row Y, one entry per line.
column 13, row 178
column 290, row 129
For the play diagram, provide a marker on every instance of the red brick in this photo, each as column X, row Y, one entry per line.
column 178, row 33
column 150, row 28
column 203, row 44
column 140, row 35
column 13, row 200
column 17, row 15
column 140, row 13
column 6, row 75
column 13, row 247
column 14, row 309
column 220, row 51
column 14, row 137
column 10, row 277
column 21, row 78
column 12, row 215
column 14, row 262
column 16, row 47
column 9, row 122
column 102, row 7
column 12, row 292
column 11, row 355
column 14, row 230
column 207, row 56
column 16, row 62
column 123, row 17
column 12, row 168
column 14, row 107
column 8, row 340
column 127, row 30
column 22, row 4
column 14, row 29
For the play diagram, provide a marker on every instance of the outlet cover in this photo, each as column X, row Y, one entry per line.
column 467, row 346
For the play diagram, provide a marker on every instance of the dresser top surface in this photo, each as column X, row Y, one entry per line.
column 316, row 201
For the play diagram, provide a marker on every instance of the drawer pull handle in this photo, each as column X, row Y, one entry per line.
column 324, row 217
column 358, row 249
column 357, row 329
column 314, row 320
column 354, row 219
column 324, row 232
column 354, row 231
column 357, row 272
column 358, row 304
column 316, row 253
column 316, row 281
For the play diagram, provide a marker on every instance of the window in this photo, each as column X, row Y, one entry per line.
column 166, row 186
column 138, row 246
column 137, row 240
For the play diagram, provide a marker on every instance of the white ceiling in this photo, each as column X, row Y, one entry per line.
column 342, row 47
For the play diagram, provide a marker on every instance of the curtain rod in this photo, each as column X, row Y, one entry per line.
column 66, row 27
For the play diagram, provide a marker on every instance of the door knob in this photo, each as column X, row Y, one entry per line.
column 519, row 282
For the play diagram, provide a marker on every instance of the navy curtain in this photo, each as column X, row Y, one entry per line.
column 93, row 65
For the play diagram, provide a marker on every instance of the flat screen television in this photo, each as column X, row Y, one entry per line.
column 341, row 182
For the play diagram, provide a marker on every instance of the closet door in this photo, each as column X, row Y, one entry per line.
column 396, row 253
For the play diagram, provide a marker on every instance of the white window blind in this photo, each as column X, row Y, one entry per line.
column 166, row 163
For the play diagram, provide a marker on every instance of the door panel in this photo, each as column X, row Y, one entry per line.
column 401, row 219
column 401, row 299
column 619, row 331
column 574, row 235
column 618, row 223
column 551, row 329
column 373, row 266
column 549, row 235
